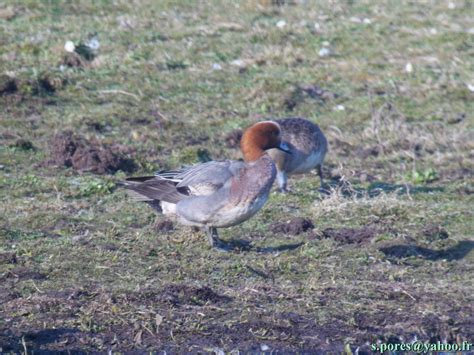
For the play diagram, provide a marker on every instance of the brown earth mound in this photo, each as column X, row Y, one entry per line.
column 294, row 226
column 71, row 150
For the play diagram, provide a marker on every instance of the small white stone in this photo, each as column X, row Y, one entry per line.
column 238, row 63
column 339, row 108
column 324, row 52
column 69, row 46
column 355, row 19
column 93, row 43
column 470, row 87
column 317, row 26
column 433, row 31
column 451, row 5
column 216, row 66
column 367, row 21
column 408, row 67
column 325, row 43
column 281, row 24
column 264, row 347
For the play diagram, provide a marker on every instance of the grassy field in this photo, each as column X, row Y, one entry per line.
column 390, row 256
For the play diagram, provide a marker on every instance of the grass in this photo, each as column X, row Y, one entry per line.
column 390, row 256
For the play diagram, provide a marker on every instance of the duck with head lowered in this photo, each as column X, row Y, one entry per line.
column 308, row 146
column 216, row 194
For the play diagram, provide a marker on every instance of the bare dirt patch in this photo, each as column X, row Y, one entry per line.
column 72, row 150
column 168, row 319
column 180, row 294
column 351, row 235
column 294, row 226
column 8, row 85
column 45, row 83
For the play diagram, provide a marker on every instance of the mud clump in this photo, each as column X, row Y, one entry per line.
column 350, row 235
column 82, row 155
column 73, row 60
column 23, row 144
column 294, row 226
column 45, row 84
column 49, row 84
column 178, row 294
column 8, row 85
column 232, row 139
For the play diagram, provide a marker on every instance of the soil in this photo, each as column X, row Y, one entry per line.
column 72, row 150
column 176, row 309
column 73, row 60
column 351, row 235
column 179, row 294
column 8, row 85
column 294, row 226
column 46, row 83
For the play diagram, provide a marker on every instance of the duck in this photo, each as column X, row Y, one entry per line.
column 216, row 194
column 308, row 147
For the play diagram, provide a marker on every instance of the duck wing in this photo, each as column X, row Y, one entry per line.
column 206, row 178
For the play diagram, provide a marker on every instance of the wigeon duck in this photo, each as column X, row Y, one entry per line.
column 308, row 147
column 216, row 194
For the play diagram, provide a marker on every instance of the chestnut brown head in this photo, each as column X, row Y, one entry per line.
column 260, row 137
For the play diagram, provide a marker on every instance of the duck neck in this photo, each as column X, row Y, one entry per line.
column 252, row 152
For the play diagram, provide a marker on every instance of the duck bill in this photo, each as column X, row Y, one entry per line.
column 284, row 148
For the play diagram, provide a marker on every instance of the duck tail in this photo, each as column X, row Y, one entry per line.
column 153, row 189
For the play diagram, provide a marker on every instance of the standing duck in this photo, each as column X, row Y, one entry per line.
column 308, row 147
column 216, row 194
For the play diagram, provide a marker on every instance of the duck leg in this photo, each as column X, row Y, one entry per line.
column 282, row 180
column 213, row 238
column 319, row 169
column 322, row 188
